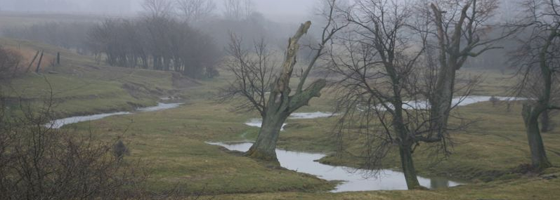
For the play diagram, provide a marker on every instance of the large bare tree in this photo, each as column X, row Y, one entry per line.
column 379, row 86
column 539, row 62
column 269, row 92
column 461, row 29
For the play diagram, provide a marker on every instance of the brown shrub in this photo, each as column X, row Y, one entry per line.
column 39, row 162
column 10, row 62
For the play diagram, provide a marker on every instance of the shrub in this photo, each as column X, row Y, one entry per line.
column 38, row 162
column 9, row 63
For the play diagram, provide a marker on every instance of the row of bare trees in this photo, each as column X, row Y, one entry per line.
column 155, row 42
column 197, row 11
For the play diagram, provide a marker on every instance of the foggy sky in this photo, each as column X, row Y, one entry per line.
column 273, row 9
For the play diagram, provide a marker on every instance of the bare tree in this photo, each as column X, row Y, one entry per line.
column 253, row 71
column 539, row 63
column 9, row 63
column 158, row 8
column 380, row 91
column 460, row 29
column 238, row 9
column 195, row 11
column 279, row 104
column 273, row 98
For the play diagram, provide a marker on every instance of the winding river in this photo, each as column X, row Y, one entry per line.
column 351, row 179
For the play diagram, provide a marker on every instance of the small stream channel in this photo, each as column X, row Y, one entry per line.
column 59, row 123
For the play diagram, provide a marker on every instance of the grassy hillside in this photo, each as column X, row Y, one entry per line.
column 79, row 85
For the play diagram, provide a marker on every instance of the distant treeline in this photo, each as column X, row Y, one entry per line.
column 158, row 43
column 70, row 35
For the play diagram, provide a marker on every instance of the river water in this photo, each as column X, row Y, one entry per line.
column 459, row 101
column 356, row 179
column 352, row 179
column 59, row 123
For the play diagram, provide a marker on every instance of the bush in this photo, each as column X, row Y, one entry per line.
column 9, row 63
column 38, row 162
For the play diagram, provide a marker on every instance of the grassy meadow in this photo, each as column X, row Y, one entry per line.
column 489, row 155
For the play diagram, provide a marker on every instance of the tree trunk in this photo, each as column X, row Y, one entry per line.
column 442, row 99
column 539, row 160
column 545, row 121
column 265, row 145
column 280, row 104
column 408, row 167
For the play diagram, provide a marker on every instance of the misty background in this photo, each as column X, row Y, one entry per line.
column 271, row 20
column 284, row 10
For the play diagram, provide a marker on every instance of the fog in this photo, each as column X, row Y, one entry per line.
column 285, row 10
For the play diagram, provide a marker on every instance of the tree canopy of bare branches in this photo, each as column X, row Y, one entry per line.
column 538, row 60
column 238, row 9
column 9, row 63
column 194, row 11
column 390, row 80
column 378, row 74
column 157, row 43
column 158, row 8
column 461, row 29
column 262, row 88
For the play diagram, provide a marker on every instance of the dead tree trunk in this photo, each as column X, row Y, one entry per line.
column 281, row 104
column 450, row 61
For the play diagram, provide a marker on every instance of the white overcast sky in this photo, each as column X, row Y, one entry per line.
column 278, row 10
column 297, row 7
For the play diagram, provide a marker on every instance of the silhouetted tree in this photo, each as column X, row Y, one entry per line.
column 538, row 62
column 274, row 98
column 461, row 29
column 9, row 63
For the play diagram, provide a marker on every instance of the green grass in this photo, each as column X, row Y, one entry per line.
column 173, row 144
column 81, row 86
